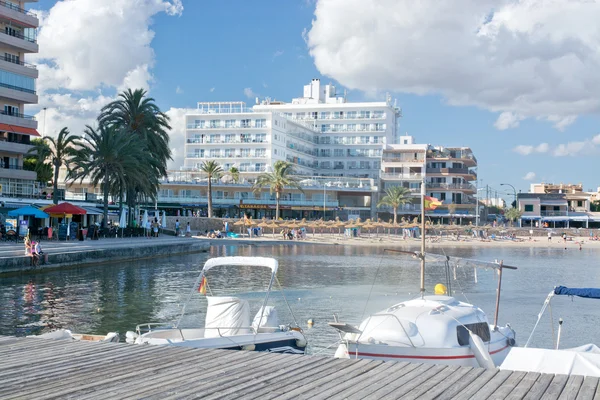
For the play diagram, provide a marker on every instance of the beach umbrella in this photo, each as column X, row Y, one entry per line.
column 28, row 211
column 273, row 225
column 240, row 223
column 164, row 220
column 264, row 225
column 65, row 209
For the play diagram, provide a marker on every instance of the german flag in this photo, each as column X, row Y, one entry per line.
column 202, row 287
column 431, row 203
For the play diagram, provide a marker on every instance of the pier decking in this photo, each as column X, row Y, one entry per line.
column 44, row 369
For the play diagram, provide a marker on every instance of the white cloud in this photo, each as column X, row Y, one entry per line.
column 508, row 120
column 529, row 176
column 177, row 135
column 526, row 150
column 104, row 50
column 178, row 90
column 212, row 89
column 576, row 148
column 529, row 58
column 249, row 93
column 278, row 53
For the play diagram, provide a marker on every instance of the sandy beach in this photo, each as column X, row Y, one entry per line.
column 435, row 242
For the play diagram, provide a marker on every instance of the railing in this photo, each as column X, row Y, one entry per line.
column 10, row 166
column 403, row 159
column 16, row 8
column 241, row 126
column 14, row 61
column 18, row 115
column 554, row 213
column 462, row 171
column 20, row 36
column 345, row 116
column 331, row 130
column 434, row 185
column 205, row 155
column 21, row 89
column 389, row 175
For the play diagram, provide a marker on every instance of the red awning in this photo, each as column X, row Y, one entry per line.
column 65, row 208
column 19, row 129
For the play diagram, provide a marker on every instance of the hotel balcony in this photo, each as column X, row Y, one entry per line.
column 14, row 147
column 191, row 199
column 20, row 67
column 16, row 172
column 464, row 156
column 19, row 42
column 17, row 15
column 463, row 187
column 18, row 93
column 464, row 172
column 23, row 120
column 400, row 177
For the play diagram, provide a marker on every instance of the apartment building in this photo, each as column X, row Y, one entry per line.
column 17, row 89
column 448, row 173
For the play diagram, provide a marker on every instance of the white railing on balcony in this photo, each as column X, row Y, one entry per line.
column 398, row 176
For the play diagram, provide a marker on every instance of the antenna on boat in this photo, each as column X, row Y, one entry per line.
column 422, row 237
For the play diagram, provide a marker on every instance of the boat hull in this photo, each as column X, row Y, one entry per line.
column 290, row 342
column 461, row 356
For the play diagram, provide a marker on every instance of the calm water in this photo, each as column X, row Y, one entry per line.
column 318, row 281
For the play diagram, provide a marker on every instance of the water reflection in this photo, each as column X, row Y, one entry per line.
column 319, row 281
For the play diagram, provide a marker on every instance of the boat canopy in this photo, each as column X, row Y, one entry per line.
column 463, row 262
column 590, row 293
column 245, row 261
column 564, row 362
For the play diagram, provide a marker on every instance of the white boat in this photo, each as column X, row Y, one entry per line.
column 227, row 323
column 436, row 329
column 582, row 360
column 65, row 334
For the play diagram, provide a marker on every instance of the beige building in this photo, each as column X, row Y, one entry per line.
column 17, row 89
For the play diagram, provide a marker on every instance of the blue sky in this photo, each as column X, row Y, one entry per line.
column 214, row 50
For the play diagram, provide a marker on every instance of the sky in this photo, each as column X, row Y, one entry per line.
column 515, row 80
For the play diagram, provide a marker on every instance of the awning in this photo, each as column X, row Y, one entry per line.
column 93, row 211
column 530, row 217
column 553, row 202
column 18, row 129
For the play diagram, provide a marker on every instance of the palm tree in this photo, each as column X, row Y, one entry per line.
column 108, row 158
column 59, row 150
column 35, row 160
column 281, row 177
column 213, row 170
column 235, row 174
column 395, row 196
column 135, row 114
column 513, row 214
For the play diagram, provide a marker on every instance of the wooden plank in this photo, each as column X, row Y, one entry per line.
column 393, row 374
column 460, row 374
column 524, row 386
column 257, row 363
column 374, row 368
column 482, row 391
column 556, row 387
column 204, row 369
column 285, row 377
column 346, row 371
column 507, row 386
column 106, row 376
column 588, row 388
column 432, row 382
column 273, row 388
column 352, row 386
column 477, row 376
column 571, row 388
column 404, row 379
column 422, row 379
column 539, row 387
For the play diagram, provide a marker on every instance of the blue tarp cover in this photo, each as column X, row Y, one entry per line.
column 590, row 293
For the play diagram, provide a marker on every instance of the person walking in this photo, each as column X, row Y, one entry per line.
column 177, row 227
column 188, row 230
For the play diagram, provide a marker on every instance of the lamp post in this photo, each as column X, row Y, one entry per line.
column 514, row 190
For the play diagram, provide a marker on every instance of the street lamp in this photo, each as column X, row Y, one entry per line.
column 514, row 190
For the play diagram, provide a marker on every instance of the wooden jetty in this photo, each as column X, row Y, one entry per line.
column 46, row 369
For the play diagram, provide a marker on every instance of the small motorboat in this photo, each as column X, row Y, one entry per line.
column 227, row 323
column 65, row 334
column 582, row 360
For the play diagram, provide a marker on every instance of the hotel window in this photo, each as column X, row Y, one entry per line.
column 325, row 128
column 338, row 128
column 11, row 110
column 11, row 58
column 313, row 115
column 245, row 138
column 351, row 127
column 325, row 115
column 338, row 115
column 363, row 127
column 214, row 153
column 325, row 153
column 260, row 152
column 326, row 140
column 260, row 123
column 229, row 152
column 380, row 127
column 365, row 114
column 338, row 152
column 245, row 152
column 528, row 207
column 244, row 167
column 261, row 138
column 300, row 115
column 351, row 115
column 230, row 138
column 258, row 167
column 199, row 124
column 230, row 123
column 215, row 123
column 245, row 123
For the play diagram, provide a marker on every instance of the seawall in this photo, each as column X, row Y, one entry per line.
column 101, row 253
